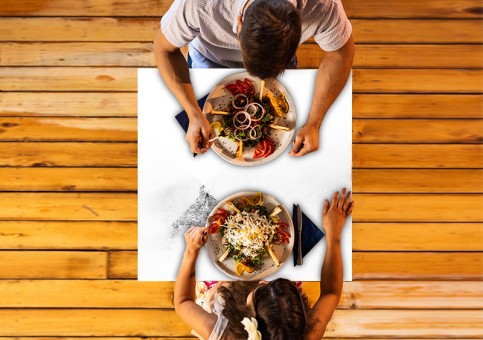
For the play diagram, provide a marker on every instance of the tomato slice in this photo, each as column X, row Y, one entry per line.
column 213, row 228
column 250, row 87
column 233, row 89
column 270, row 146
column 260, row 149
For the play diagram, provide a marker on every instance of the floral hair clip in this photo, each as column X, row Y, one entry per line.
column 251, row 326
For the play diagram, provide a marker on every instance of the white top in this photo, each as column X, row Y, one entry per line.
column 210, row 27
column 212, row 302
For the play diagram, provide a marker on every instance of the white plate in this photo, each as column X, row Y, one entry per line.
column 267, row 267
column 219, row 99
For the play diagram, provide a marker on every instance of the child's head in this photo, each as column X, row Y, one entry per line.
column 280, row 310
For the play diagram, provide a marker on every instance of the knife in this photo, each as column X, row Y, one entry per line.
column 300, row 260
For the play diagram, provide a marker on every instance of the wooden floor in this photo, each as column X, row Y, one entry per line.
column 68, row 177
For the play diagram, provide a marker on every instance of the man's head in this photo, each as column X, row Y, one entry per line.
column 269, row 37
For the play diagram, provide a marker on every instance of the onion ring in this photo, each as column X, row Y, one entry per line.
column 254, row 130
column 240, row 95
column 252, row 110
column 235, row 133
column 242, row 123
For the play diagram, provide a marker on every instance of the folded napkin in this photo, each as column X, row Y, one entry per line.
column 183, row 119
column 311, row 235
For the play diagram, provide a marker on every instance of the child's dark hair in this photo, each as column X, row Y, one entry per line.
column 280, row 309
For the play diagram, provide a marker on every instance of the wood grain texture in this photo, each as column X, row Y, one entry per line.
column 68, row 206
column 419, row 266
column 416, row 106
column 69, row 129
column 417, row 181
column 59, row 104
column 68, row 154
column 15, row 104
column 418, row 208
column 365, row 265
column 354, row 8
column 125, row 79
column 68, row 179
column 68, row 79
column 417, row 81
column 416, row 156
column 134, row 294
column 141, row 55
column 52, row 265
column 90, row 29
column 417, row 236
column 422, row 131
column 68, row 235
column 148, row 322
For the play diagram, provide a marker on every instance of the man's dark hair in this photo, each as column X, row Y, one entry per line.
column 269, row 37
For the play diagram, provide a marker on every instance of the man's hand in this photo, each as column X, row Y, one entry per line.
column 335, row 214
column 306, row 141
column 199, row 134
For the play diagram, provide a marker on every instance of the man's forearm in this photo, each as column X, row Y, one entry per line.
column 185, row 282
column 174, row 70
column 331, row 276
column 331, row 78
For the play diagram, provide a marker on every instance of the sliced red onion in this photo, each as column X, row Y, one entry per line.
column 252, row 110
column 240, row 95
column 242, row 139
column 242, row 120
column 253, row 132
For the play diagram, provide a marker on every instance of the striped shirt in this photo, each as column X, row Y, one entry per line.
column 210, row 28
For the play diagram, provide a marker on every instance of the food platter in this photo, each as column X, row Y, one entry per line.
column 220, row 99
column 216, row 244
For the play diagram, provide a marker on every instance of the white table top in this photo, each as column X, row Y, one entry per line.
column 170, row 178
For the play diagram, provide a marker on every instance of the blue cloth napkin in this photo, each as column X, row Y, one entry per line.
column 311, row 235
column 183, row 119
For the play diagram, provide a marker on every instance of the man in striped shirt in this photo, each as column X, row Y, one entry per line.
column 261, row 36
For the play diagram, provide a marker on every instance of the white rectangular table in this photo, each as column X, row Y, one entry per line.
column 170, row 177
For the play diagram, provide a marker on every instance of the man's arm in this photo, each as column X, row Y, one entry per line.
column 184, row 291
column 331, row 79
column 334, row 216
column 174, row 70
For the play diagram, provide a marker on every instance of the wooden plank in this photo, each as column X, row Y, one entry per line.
column 40, row 154
column 68, row 206
column 123, row 265
column 418, row 208
column 417, row 131
column 68, row 235
column 395, row 56
column 144, row 29
column 416, row 106
column 68, row 154
column 354, row 8
column 417, row 181
column 366, row 265
column 125, row 130
column 413, row 9
column 310, row 55
column 52, row 265
column 68, row 79
column 68, row 129
column 416, row 156
column 416, row 31
column 38, row 104
column 134, row 294
column 68, row 179
column 125, row 79
column 417, row 81
column 417, row 236
column 148, row 322
column 125, row 104
column 419, row 266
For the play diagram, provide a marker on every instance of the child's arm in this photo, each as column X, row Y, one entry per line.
column 184, row 291
column 333, row 216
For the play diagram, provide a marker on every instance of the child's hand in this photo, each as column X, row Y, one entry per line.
column 196, row 238
column 335, row 214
